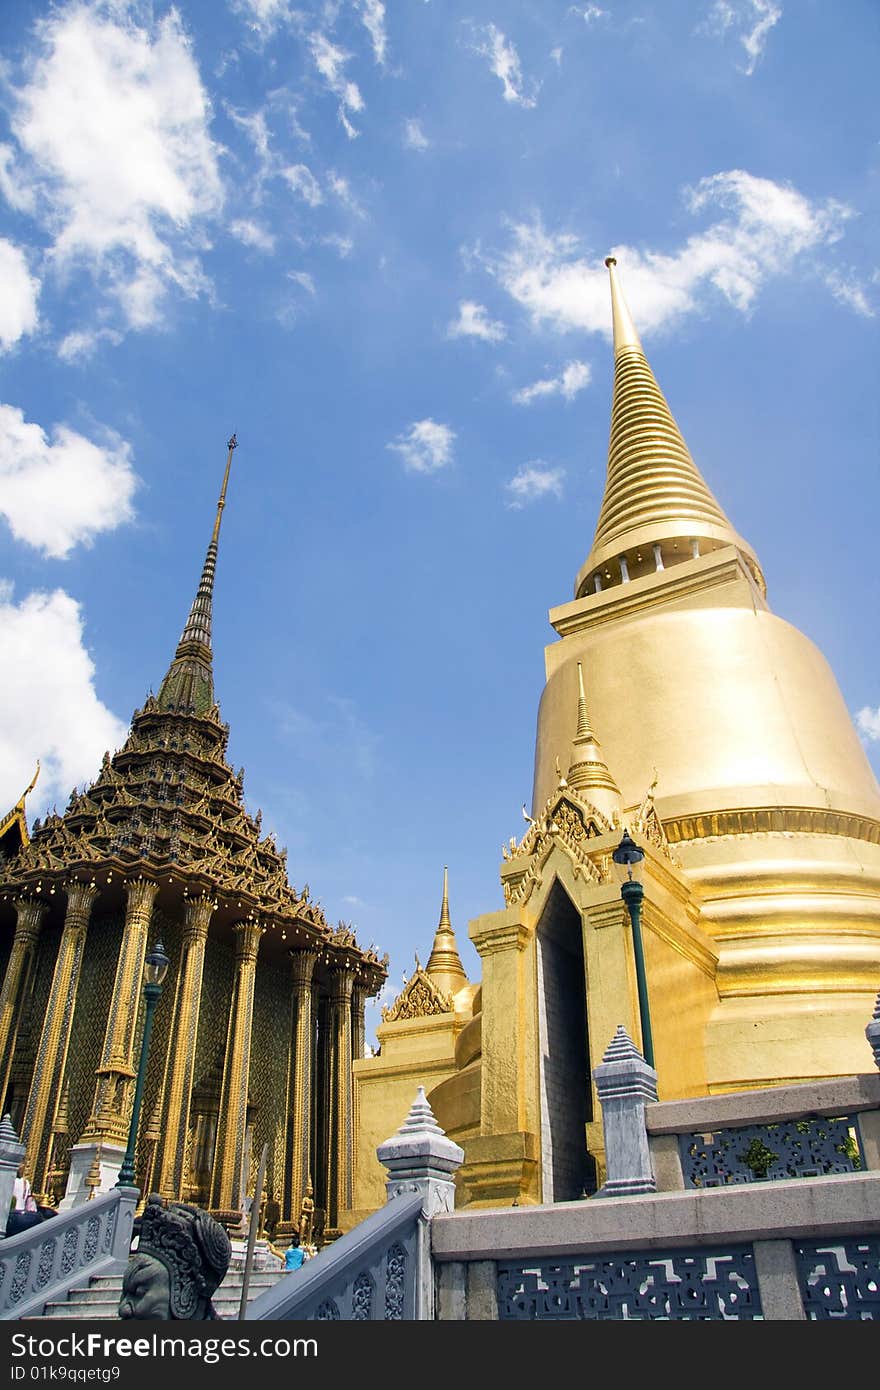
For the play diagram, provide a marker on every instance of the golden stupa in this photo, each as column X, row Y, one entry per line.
column 679, row 707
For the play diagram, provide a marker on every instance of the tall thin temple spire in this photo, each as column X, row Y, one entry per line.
column 189, row 685
column 588, row 771
column 444, row 963
column 658, row 508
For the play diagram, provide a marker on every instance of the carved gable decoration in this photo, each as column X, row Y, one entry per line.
column 566, row 821
column 419, row 998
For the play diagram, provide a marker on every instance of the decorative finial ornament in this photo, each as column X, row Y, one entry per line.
column 444, row 963
column 655, row 498
column 189, row 683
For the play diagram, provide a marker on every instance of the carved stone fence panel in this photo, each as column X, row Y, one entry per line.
column 380, row 1271
column 40, row 1265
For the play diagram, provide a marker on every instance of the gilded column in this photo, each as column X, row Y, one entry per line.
column 29, row 919
column 55, row 1035
column 322, row 1073
column 108, row 1121
column 340, row 1184
column 227, row 1194
column 300, row 1086
column 358, row 1029
column 182, row 1046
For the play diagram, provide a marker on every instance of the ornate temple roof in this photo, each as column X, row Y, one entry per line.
column 13, row 826
column 168, row 805
column 655, row 495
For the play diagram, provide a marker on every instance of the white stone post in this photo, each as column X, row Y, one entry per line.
column 420, row 1158
column 11, row 1155
column 626, row 1084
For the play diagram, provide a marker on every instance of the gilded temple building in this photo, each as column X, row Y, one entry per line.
column 262, row 1010
column 680, row 708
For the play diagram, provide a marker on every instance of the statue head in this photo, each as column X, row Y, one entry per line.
column 181, row 1258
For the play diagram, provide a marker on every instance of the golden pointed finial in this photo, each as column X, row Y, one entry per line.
column 232, row 443
column 588, row 771
column 625, row 335
column 31, row 784
column 445, row 921
column 583, row 729
column 189, row 682
column 444, row 963
column 657, row 508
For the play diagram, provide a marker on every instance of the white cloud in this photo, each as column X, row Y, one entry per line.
column 81, row 344
column 15, row 189
column 59, row 494
column 252, row 234
column 373, row 16
column 590, row 13
column 342, row 245
column 18, row 300
column 413, row 136
column 264, row 17
column 330, row 62
column 750, row 20
column 303, row 279
column 504, row 63
column 531, row 482
column 425, row 447
column 868, row 723
column 301, row 179
column 847, row 290
column 473, row 322
column 573, row 378
column 341, row 188
column 48, row 705
column 769, row 229
column 124, row 179
column 255, row 127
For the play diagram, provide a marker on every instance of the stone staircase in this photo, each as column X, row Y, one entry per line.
column 99, row 1300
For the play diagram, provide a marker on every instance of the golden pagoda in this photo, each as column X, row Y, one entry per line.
column 263, row 1009
column 679, row 708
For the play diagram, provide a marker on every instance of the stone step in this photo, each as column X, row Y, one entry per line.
column 99, row 1301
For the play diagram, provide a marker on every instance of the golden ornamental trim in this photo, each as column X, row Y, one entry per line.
column 772, row 820
column 419, row 998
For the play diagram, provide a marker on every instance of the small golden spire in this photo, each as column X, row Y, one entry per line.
column 444, row 963
column 625, row 335
column 445, row 921
column 588, row 772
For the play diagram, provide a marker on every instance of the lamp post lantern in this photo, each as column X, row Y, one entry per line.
column 628, row 858
column 155, row 970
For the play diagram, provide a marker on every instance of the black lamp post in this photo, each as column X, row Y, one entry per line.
column 628, row 858
column 155, row 970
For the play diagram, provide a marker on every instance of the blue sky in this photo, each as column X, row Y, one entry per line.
column 370, row 238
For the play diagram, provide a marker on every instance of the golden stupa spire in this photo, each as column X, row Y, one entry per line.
column 588, row 771
column 658, row 508
column 189, row 684
column 444, row 963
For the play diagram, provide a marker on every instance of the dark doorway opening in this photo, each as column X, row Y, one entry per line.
column 568, row 1170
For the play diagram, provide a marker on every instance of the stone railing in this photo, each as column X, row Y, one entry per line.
column 757, row 1204
column 782, row 1132
column 372, row 1272
column 40, row 1265
column 380, row 1270
column 778, row 1250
